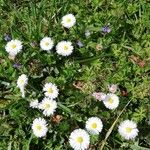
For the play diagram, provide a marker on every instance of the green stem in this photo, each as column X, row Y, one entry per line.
column 89, row 59
column 28, row 145
column 64, row 108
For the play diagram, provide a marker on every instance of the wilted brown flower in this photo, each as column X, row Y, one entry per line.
column 141, row 64
column 57, row 118
column 137, row 60
column 78, row 84
column 99, row 47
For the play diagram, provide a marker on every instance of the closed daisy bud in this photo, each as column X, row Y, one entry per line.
column 50, row 90
column 21, row 83
column 13, row 47
column 34, row 103
column 64, row 48
column 46, row 44
column 94, row 125
column 112, row 88
column 79, row 139
column 111, row 101
column 128, row 129
column 68, row 21
column 99, row 96
column 87, row 33
column 48, row 106
column 39, row 127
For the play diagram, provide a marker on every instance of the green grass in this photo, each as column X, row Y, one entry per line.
column 120, row 61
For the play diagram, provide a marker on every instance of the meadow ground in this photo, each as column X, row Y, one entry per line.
column 111, row 45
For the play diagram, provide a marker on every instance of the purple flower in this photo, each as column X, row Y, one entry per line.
column 17, row 66
column 7, row 37
column 33, row 44
column 80, row 44
column 106, row 29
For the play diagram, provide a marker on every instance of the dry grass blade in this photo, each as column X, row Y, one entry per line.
column 102, row 144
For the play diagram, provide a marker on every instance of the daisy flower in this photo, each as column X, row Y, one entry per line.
column 21, row 83
column 50, row 90
column 39, row 127
column 79, row 139
column 112, row 88
column 111, row 101
column 46, row 43
column 64, row 48
column 128, row 129
column 13, row 47
column 34, row 103
column 68, row 21
column 94, row 125
column 48, row 106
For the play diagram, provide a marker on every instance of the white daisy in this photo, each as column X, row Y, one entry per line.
column 94, row 125
column 48, row 106
column 50, row 90
column 46, row 43
column 68, row 21
column 111, row 101
column 34, row 103
column 128, row 129
column 21, row 83
column 64, row 48
column 79, row 139
column 13, row 47
column 39, row 127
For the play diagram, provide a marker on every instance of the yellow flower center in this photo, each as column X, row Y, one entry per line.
column 47, row 106
column 110, row 100
column 46, row 43
column 21, row 81
column 38, row 127
column 79, row 139
column 65, row 48
column 128, row 129
column 94, row 125
column 50, row 90
column 68, row 20
column 13, row 46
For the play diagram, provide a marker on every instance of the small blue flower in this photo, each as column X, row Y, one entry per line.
column 106, row 29
column 17, row 66
column 7, row 37
column 80, row 44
